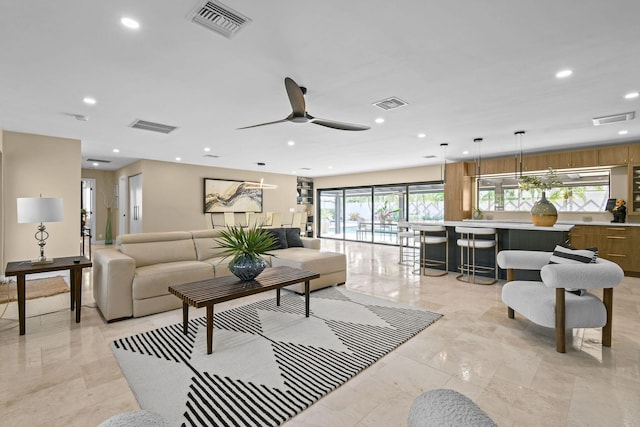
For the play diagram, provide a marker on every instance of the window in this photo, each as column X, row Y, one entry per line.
column 581, row 191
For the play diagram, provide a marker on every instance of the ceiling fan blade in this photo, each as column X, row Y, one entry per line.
column 337, row 125
column 264, row 124
column 296, row 97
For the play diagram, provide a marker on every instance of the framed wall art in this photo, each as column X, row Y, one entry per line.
column 222, row 195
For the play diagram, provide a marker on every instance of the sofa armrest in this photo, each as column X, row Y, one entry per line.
column 599, row 275
column 310, row 242
column 113, row 274
column 523, row 260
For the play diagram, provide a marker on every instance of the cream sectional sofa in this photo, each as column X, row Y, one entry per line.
column 132, row 279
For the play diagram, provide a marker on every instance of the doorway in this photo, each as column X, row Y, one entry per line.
column 88, row 205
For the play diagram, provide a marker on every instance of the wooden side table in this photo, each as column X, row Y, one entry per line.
column 74, row 264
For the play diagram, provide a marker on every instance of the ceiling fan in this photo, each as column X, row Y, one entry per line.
column 300, row 115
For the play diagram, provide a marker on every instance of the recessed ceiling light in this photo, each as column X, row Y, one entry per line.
column 422, row 135
column 207, row 149
column 130, row 23
column 115, row 150
column 631, row 95
column 563, row 73
column 465, row 152
column 291, row 143
column 379, row 120
column 623, row 132
column 178, row 159
column 89, row 101
column 294, row 172
column 96, row 164
column 330, row 167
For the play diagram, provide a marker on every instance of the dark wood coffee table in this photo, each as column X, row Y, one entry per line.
column 206, row 293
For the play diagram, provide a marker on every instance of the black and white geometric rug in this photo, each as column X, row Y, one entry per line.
column 269, row 363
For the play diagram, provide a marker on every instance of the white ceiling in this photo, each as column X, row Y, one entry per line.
column 466, row 68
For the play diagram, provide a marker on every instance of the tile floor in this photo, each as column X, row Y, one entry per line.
column 64, row 374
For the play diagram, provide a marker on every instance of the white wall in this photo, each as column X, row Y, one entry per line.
column 393, row 176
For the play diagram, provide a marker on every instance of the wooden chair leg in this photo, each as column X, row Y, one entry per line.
column 560, row 321
column 607, row 299
column 511, row 275
column 511, row 313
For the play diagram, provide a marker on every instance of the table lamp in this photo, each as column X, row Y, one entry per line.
column 38, row 210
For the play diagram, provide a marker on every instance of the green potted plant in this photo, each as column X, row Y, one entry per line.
column 385, row 213
column 543, row 212
column 246, row 246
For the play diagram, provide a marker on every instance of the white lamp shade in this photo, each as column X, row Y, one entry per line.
column 34, row 210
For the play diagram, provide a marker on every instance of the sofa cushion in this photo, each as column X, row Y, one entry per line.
column 154, row 280
column 220, row 266
column 280, row 236
column 156, row 248
column 293, row 238
column 310, row 260
column 206, row 244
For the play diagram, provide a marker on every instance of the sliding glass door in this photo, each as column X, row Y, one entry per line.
column 371, row 214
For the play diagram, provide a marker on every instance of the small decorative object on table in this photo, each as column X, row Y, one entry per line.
column 246, row 245
column 543, row 212
column 619, row 211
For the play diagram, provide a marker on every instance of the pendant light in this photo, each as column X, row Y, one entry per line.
column 519, row 153
column 443, row 166
column 478, row 142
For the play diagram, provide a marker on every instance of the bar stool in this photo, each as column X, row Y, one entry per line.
column 406, row 243
column 427, row 238
column 468, row 241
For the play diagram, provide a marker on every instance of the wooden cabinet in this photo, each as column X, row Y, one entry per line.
column 583, row 158
column 497, row 165
column 634, row 153
column 618, row 155
column 615, row 155
column 534, row 162
column 583, row 236
column 633, row 204
column 614, row 242
column 457, row 191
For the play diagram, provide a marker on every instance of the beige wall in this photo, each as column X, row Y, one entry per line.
column 105, row 181
column 394, row 176
column 36, row 165
column 172, row 194
column 2, row 239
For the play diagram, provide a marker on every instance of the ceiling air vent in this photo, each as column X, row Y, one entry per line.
column 154, row 127
column 98, row 161
column 390, row 103
column 607, row 120
column 219, row 18
column 212, row 156
column 429, row 156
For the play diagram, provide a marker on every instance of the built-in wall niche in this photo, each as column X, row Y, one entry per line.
column 304, row 191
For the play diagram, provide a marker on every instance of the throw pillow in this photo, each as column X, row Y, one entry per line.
column 563, row 255
column 280, row 236
column 293, row 238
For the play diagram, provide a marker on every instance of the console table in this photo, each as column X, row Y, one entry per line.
column 74, row 264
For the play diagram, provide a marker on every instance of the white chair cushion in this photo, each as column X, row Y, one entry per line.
column 434, row 240
column 537, row 303
column 480, row 244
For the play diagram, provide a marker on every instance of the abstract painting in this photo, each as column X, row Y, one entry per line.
column 231, row 196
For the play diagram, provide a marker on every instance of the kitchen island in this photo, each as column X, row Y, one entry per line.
column 512, row 235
